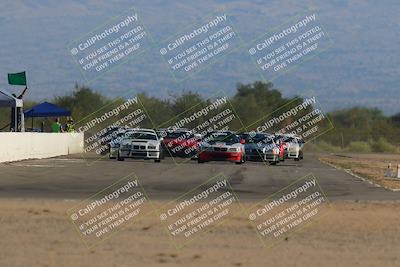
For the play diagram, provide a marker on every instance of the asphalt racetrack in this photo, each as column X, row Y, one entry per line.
column 80, row 176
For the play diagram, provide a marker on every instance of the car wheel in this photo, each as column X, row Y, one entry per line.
column 157, row 160
column 240, row 161
column 296, row 159
column 119, row 158
column 301, row 155
column 199, row 160
column 272, row 163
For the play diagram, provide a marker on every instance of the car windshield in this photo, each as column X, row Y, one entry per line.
column 185, row 135
column 286, row 139
column 228, row 138
column 141, row 135
column 264, row 138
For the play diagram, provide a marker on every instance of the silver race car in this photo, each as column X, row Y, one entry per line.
column 261, row 146
column 140, row 144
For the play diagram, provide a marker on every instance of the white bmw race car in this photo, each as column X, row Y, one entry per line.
column 140, row 144
column 293, row 146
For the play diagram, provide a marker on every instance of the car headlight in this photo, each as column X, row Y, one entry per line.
column 234, row 149
column 151, row 147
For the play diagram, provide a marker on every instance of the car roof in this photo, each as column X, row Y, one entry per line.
column 140, row 130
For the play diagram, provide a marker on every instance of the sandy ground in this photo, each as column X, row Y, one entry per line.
column 38, row 233
column 371, row 166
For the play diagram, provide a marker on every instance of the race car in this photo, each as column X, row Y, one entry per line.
column 261, row 146
column 222, row 146
column 114, row 144
column 117, row 137
column 293, row 146
column 181, row 142
column 140, row 144
column 107, row 135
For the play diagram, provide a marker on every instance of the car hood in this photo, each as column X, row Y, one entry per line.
column 262, row 146
column 139, row 142
column 222, row 144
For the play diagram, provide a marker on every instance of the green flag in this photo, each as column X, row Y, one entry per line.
column 17, row 78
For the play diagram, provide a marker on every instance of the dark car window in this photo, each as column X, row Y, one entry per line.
column 138, row 135
column 228, row 138
column 286, row 139
column 173, row 135
column 259, row 138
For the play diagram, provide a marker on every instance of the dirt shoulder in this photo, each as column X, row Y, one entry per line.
column 371, row 166
column 38, row 233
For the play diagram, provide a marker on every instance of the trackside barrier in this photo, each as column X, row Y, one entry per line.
column 20, row 146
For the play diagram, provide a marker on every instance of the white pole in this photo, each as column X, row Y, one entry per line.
column 16, row 119
column 398, row 170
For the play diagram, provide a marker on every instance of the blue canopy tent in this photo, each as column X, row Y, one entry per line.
column 46, row 109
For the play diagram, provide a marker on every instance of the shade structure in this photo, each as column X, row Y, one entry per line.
column 46, row 109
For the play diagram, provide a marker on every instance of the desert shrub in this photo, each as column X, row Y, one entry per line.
column 326, row 147
column 359, row 146
column 383, row 145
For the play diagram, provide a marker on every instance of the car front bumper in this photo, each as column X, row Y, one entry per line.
column 140, row 154
column 228, row 156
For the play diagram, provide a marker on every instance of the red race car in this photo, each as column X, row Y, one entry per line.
column 181, row 143
column 222, row 146
column 280, row 141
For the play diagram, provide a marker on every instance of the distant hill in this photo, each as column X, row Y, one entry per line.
column 361, row 68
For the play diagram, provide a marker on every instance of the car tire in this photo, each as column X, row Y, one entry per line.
column 242, row 160
column 157, row 160
column 199, row 160
column 272, row 163
column 119, row 158
column 296, row 159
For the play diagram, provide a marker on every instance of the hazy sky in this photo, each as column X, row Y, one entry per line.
column 359, row 67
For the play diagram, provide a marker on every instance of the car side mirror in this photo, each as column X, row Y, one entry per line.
column 242, row 141
column 161, row 139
